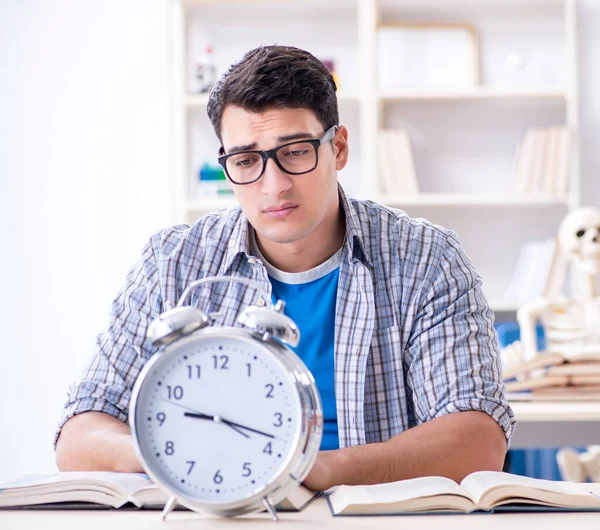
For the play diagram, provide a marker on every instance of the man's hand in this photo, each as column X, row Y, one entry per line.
column 451, row 446
column 320, row 477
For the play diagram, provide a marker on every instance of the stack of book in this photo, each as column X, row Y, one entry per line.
column 551, row 377
column 542, row 163
column 396, row 163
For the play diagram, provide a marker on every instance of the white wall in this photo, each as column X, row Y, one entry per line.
column 83, row 161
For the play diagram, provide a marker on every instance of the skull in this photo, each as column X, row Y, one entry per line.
column 579, row 238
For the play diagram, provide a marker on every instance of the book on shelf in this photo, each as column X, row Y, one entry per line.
column 482, row 491
column 557, row 364
column 396, row 162
column 554, row 376
column 103, row 489
column 537, row 272
column 565, row 393
column 542, row 161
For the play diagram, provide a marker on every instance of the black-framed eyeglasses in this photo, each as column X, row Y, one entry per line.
column 295, row 158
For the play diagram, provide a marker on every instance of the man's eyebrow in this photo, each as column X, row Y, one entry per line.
column 282, row 139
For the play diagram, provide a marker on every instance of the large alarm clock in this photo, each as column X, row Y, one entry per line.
column 226, row 420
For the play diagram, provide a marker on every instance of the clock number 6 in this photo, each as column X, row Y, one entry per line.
column 217, row 479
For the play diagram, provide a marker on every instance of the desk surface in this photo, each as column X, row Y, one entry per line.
column 316, row 516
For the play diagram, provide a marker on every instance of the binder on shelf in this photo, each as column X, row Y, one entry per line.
column 396, row 163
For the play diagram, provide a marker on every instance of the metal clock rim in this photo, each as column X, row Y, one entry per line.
column 304, row 454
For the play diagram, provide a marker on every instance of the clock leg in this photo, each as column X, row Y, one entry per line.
column 267, row 504
column 171, row 503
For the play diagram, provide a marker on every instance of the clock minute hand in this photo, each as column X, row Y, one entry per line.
column 216, row 419
column 233, row 424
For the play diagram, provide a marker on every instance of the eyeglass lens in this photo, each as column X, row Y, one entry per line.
column 299, row 157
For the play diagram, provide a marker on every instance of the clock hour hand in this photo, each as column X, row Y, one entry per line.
column 216, row 419
column 232, row 424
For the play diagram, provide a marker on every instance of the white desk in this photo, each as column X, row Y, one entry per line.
column 556, row 424
column 316, row 516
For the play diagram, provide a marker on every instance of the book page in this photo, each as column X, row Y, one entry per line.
column 396, row 493
column 63, row 487
column 492, row 488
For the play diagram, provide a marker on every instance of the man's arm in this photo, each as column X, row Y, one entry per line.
column 95, row 441
column 451, row 446
column 92, row 433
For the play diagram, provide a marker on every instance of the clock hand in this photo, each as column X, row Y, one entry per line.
column 216, row 419
column 191, row 413
column 231, row 424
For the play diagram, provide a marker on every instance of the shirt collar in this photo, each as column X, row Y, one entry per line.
column 239, row 242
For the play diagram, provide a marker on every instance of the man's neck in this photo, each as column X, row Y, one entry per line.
column 308, row 253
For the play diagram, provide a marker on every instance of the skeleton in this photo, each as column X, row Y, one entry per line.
column 571, row 325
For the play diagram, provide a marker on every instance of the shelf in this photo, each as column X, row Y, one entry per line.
column 475, row 93
column 273, row 4
column 201, row 100
column 472, row 199
column 500, row 305
column 209, row 205
column 555, row 411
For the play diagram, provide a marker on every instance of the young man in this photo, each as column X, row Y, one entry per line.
column 394, row 323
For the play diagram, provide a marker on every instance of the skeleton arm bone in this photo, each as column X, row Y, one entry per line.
column 528, row 315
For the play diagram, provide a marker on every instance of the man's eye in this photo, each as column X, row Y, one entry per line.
column 297, row 153
column 245, row 162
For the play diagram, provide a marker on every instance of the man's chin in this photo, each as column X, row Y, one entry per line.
column 281, row 237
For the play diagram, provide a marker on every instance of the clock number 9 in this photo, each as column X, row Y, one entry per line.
column 161, row 417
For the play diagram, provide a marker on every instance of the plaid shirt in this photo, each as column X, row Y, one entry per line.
column 414, row 336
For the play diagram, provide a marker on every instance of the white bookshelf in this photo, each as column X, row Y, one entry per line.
column 464, row 139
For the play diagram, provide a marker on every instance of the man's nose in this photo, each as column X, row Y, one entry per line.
column 274, row 180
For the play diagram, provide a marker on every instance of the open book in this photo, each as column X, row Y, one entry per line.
column 481, row 491
column 103, row 489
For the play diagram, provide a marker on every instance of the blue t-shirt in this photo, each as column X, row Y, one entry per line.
column 310, row 302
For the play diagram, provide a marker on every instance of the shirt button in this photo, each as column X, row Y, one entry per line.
column 260, row 302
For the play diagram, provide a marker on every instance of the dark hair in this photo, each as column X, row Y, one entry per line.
column 276, row 76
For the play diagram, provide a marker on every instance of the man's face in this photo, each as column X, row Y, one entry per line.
column 285, row 208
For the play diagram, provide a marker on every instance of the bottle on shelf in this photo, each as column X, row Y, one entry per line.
column 206, row 71
column 212, row 182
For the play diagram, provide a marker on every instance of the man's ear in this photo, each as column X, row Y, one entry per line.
column 340, row 147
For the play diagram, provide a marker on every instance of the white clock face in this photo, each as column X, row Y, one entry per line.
column 218, row 419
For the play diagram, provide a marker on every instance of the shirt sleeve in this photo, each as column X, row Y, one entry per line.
column 121, row 350
column 453, row 354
